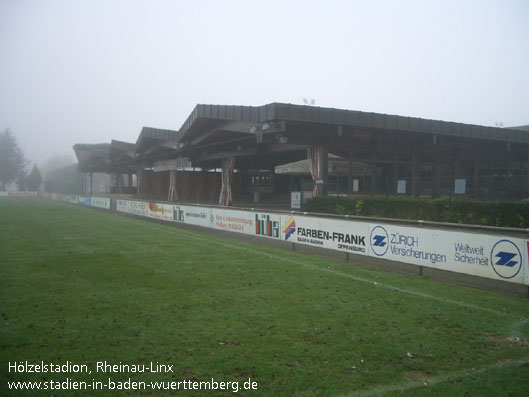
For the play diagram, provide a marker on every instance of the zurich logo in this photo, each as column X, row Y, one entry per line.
column 506, row 259
column 379, row 241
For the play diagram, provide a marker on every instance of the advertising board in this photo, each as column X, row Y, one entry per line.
column 194, row 215
column 295, row 200
column 233, row 220
column 84, row 201
column 341, row 235
column 100, row 202
column 160, row 211
column 491, row 256
column 138, row 208
column 267, row 225
column 496, row 257
column 122, row 206
column 19, row 194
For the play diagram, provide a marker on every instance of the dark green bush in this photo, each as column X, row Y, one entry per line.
column 489, row 213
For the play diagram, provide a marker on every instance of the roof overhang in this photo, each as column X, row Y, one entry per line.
column 262, row 135
column 92, row 157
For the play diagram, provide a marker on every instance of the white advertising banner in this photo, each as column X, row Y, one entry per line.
column 161, row 211
column 166, row 165
column 122, row 206
column 138, row 208
column 233, row 220
column 460, row 186
column 295, row 200
column 341, row 235
column 496, row 257
column 491, row 256
column 401, row 187
column 194, row 215
column 100, row 202
column 18, row 194
column 266, row 225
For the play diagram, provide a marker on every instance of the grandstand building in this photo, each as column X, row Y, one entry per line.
column 224, row 154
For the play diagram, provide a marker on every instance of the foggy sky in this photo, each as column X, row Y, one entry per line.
column 91, row 71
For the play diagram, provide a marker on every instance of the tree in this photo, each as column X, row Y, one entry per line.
column 34, row 179
column 22, row 183
column 12, row 161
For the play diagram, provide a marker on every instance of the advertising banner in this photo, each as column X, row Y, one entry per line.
column 295, row 200
column 138, row 208
column 491, row 256
column 160, row 211
column 496, row 257
column 84, row 200
column 233, row 220
column 100, row 202
column 72, row 199
column 194, row 215
column 170, row 165
column 122, row 206
column 266, row 225
column 19, row 194
column 341, row 235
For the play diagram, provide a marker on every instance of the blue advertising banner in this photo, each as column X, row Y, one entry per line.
column 84, row 200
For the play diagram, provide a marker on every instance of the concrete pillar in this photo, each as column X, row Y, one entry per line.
column 373, row 174
column 457, row 168
column 323, row 162
column 395, row 176
column 228, row 166
column 119, row 181
column 350, row 174
column 173, row 195
column 435, row 177
column 476, row 178
column 139, row 181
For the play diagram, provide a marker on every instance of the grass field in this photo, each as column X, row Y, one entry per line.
column 86, row 286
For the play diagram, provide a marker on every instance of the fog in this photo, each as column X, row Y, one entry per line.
column 92, row 71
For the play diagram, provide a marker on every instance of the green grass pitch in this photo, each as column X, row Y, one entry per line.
column 85, row 286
